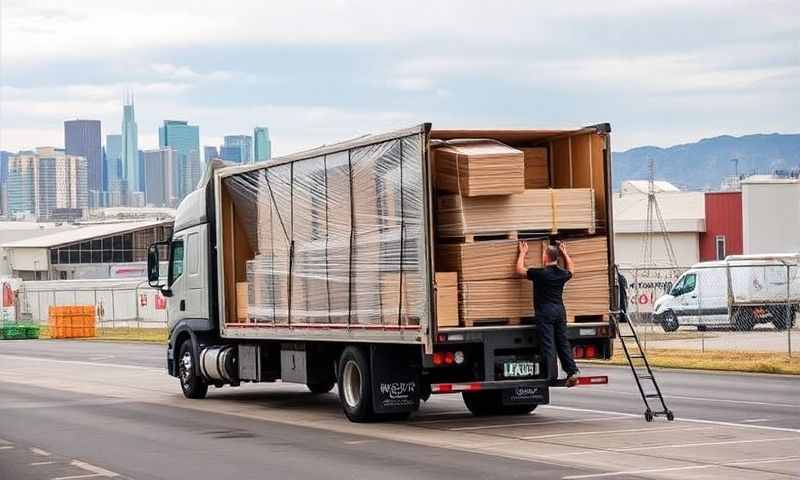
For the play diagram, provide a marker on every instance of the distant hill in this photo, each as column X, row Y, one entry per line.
column 705, row 163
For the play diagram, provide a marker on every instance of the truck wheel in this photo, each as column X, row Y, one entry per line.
column 670, row 321
column 320, row 387
column 193, row 385
column 743, row 320
column 482, row 404
column 355, row 385
column 779, row 317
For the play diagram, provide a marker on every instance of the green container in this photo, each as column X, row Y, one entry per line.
column 14, row 332
column 32, row 331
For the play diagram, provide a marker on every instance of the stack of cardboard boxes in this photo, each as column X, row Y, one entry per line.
column 489, row 190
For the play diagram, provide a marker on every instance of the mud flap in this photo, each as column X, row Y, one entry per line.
column 526, row 396
column 395, row 378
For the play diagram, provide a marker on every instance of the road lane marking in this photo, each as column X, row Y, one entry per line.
column 611, row 432
column 39, row 451
column 676, row 445
column 95, row 471
column 34, row 464
column 6, row 447
column 526, row 424
column 681, row 419
column 711, row 399
column 75, row 477
column 687, row 467
column 756, row 420
column 80, row 362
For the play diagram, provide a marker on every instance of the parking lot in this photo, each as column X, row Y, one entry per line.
column 116, row 397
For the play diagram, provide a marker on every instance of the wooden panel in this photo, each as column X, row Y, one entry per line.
column 490, row 260
column 479, row 167
column 495, row 299
column 561, row 168
column 598, row 179
column 537, row 169
column 582, row 162
column 236, row 252
column 447, row 299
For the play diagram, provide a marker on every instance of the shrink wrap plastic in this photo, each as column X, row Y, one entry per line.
column 338, row 239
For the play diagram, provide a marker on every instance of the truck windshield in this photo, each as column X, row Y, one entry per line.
column 176, row 261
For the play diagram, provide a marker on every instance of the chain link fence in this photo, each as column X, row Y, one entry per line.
column 737, row 306
column 119, row 305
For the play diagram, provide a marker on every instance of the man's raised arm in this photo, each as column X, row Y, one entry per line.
column 568, row 263
column 523, row 254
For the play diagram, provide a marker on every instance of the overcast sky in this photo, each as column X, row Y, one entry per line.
column 661, row 72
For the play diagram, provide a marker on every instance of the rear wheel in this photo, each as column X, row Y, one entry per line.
column 192, row 385
column 355, row 385
column 743, row 320
column 670, row 321
column 779, row 317
column 490, row 402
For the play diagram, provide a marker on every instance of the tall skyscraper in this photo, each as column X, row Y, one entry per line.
column 230, row 154
column 140, row 172
column 45, row 180
column 113, row 165
column 210, row 152
column 130, row 146
column 245, row 145
column 262, row 144
column 185, row 140
column 161, row 182
column 82, row 138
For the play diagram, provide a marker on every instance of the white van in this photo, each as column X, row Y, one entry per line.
column 739, row 292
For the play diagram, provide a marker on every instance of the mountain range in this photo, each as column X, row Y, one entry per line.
column 702, row 165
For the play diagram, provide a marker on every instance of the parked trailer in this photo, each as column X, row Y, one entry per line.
column 318, row 268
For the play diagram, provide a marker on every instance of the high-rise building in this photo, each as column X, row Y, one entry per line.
column 113, row 165
column 4, row 156
column 209, row 153
column 130, row 146
column 262, row 144
column 44, row 181
column 230, row 154
column 245, row 145
column 185, row 140
column 82, row 138
column 160, row 175
column 140, row 172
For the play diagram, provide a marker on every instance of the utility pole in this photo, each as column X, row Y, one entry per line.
column 654, row 220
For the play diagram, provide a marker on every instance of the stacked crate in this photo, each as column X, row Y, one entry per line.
column 490, row 196
column 72, row 321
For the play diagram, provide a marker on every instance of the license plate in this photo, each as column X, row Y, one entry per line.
column 520, row 369
column 586, row 332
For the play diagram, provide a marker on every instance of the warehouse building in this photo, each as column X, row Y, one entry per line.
column 105, row 250
column 771, row 214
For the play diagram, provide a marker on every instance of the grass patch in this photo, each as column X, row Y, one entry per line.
column 755, row 362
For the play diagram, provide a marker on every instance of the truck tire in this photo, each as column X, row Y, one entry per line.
column 192, row 384
column 320, row 387
column 490, row 402
column 743, row 320
column 670, row 321
column 779, row 317
column 355, row 385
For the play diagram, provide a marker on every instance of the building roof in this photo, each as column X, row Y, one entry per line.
column 756, row 179
column 643, row 186
column 83, row 233
column 681, row 211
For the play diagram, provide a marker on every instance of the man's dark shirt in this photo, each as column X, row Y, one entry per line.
column 548, row 285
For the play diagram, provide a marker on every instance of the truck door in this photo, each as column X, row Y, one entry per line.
column 176, row 303
column 688, row 300
column 196, row 278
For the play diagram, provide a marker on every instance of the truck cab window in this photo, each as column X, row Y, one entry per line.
column 689, row 283
column 676, row 289
column 176, row 261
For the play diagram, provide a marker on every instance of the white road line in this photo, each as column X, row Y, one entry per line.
column 677, row 445
column 526, row 424
column 94, row 469
column 681, row 419
column 74, row 477
column 756, row 420
column 611, row 432
column 39, row 451
column 711, row 399
column 6, row 447
column 688, row 467
column 79, row 362
column 357, row 442
column 34, row 464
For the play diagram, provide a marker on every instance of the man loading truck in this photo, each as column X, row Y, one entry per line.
column 548, row 304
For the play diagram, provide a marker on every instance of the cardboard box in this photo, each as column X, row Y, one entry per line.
column 447, row 299
column 475, row 168
column 242, row 294
column 488, row 260
column 537, row 170
column 495, row 299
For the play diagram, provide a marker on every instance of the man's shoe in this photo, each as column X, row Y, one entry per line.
column 572, row 380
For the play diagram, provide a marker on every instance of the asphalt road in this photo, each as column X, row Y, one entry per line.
column 74, row 409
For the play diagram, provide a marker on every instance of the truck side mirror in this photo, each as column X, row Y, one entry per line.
column 153, row 275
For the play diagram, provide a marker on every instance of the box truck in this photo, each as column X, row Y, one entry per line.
column 739, row 292
column 320, row 268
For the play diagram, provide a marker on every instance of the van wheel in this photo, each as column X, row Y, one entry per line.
column 490, row 402
column 355, row 385
column 192, row 385
column 670, row 321
column 743, row 320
